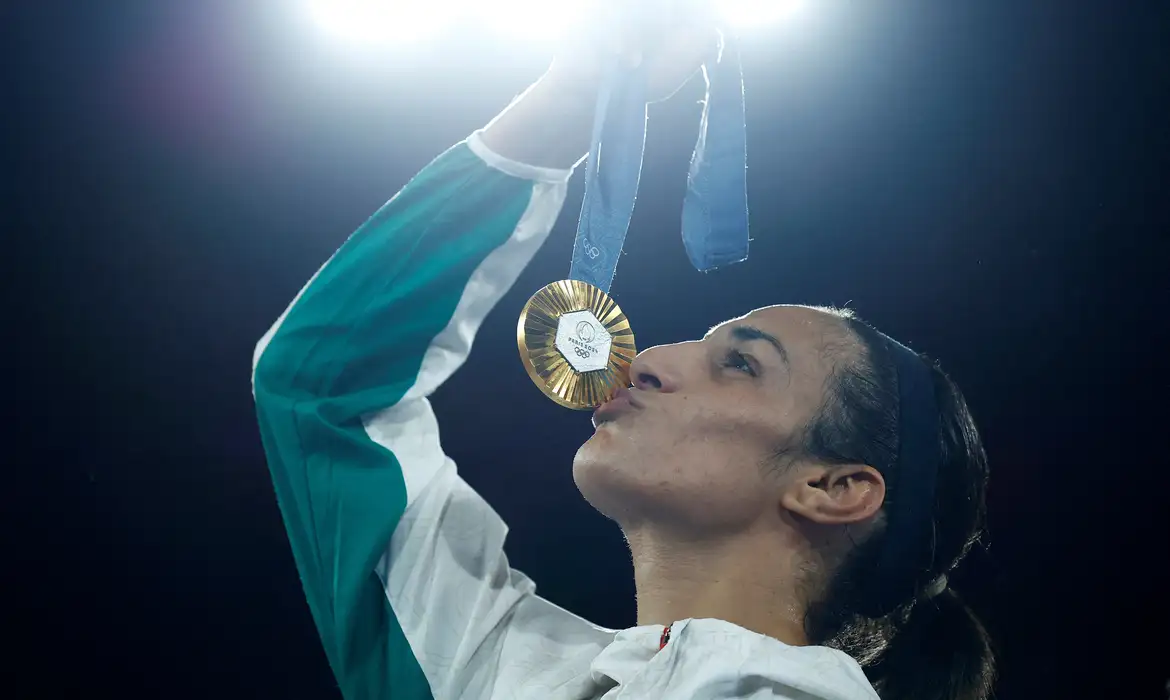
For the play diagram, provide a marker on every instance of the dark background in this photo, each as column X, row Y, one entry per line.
column 988, row 181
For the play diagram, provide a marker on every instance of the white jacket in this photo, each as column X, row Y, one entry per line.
column 402, row 562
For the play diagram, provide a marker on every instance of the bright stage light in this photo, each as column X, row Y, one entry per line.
column 538, row 20
column 743, row 14
column 385, row 21
column 382, row 21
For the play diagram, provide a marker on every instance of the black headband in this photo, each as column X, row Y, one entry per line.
column 909, row 524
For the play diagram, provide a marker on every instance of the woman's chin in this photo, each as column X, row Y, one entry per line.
column 608, row 476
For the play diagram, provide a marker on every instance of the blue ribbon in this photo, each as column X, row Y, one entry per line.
column 715, row 211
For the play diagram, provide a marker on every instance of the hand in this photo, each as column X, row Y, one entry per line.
column 551, row 123
column 674, row 38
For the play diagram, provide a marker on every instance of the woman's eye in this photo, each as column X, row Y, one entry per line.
column 738, row 361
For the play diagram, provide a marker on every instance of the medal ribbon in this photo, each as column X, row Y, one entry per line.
column 715, row 213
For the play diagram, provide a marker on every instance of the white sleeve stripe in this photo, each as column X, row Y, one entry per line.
column 513, row 167
column 450, row 348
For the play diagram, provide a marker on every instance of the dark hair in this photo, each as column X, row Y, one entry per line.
column 912, row 645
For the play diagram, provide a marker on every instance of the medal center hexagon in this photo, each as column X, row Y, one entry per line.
column 583, row 341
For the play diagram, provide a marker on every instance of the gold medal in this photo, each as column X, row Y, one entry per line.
column 576, row 344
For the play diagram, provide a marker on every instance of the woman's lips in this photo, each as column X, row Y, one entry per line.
column 622, row 402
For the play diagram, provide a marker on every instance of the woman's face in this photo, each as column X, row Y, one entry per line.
column 692, row 440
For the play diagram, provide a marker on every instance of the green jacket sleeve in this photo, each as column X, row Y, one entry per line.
column 340, row 385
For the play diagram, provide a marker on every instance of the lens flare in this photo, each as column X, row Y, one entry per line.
column 392, row 21
column 743, row 14
column 527, row 19
column 382, row 21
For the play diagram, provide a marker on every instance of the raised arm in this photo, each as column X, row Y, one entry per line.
column 402, row 563
column 341, row 381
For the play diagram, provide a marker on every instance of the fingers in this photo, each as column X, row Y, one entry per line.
column 626, row 26
column 678, row 35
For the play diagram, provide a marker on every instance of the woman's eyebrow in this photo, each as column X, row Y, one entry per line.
column 747, row 333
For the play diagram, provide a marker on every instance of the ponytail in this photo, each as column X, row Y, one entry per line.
column 880, row 610
column 940, row 652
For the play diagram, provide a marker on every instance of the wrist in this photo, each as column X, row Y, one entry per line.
column 549, row 125
column 572, row 84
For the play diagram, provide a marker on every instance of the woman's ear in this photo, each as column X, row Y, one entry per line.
column 837, row 495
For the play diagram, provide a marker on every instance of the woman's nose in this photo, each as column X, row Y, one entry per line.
column 651, row 371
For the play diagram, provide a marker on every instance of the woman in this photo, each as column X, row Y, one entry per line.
column 794, row 487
